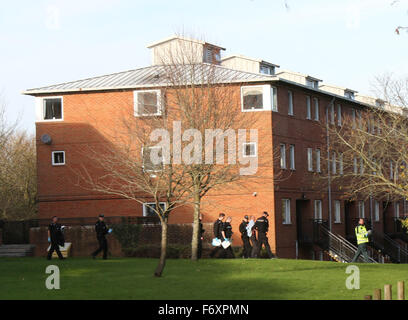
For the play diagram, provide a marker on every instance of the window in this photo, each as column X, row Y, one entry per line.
column 361, row 209
column 339, row 119
column 149, row 208
column 318, row 161
column 152, row 162
column 292, row 157
column 258, row 98
column 316, row 105
column 58, row 158
column 391, row 170
column 353, row 116
column 341, row 164
column 361, row 166
column 249, row 149
column 334, row 164
column 308, row 108
column 337, row 211
column 147, row 103
column 49, row 109
column 332, row 113
column 396, row 209
column 309, row 159
column 286, row 211
column 376, row 210
column 312, row 83
column 355, row 165
column 349, row 94
column 290, row 103
column 283, row 156
column 318, row 209
column 266, row 69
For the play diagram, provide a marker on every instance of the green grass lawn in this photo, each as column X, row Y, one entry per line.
column 131, row 278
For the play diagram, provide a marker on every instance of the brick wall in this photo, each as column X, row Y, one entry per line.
column 84, row 241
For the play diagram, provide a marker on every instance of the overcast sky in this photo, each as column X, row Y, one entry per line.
column 46, row 42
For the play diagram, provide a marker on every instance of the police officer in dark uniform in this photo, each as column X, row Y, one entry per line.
column 262, row 225
column 56, row 237
column 200, row 238
column 101, row 231
column 227, row 235
column 245, row 238
column 217, row 229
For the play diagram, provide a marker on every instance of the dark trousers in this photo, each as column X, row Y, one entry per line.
column 254, row 250
column 103, row 246
column 228, row 253
column 362, row 249
column 263, row 240
column 54, row 247
column 247, row 247
column 217, row 252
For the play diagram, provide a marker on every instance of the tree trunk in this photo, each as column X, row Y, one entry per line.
column 196, row 226
column 163, row 249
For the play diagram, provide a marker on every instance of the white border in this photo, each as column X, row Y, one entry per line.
column 135, row 103
column 148, row 203
column 40, row 111
column 52, row 158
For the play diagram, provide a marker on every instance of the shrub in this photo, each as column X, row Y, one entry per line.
column 127, row 234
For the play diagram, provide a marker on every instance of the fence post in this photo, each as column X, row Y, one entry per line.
column 368, row 297
column 377, row 294
column 387, row 292
column 401, row 290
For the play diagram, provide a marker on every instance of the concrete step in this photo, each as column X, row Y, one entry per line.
column 12, row 255
column 16, row 250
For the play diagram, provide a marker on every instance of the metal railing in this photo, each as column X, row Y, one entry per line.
column 390, row 247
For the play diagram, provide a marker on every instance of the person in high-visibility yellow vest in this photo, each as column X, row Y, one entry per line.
column 362, row 240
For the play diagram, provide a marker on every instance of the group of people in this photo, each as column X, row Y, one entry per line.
column 253, row 235
column 56, row 237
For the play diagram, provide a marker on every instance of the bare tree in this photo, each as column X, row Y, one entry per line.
column 367, row 155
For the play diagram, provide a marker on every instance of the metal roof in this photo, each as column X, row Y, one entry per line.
column 154, row 76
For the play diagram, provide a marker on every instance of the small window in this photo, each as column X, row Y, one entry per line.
column 58, row 158
column 283, row 156
column 52, row 109
column 337, row 211
column 266, row 70
column 361, row 209
column 376, row 211
column 147, row 103
column 309, row 159
column 316, row 105
column 249, row 149
column 258, row 98
column 349, row 94
column 286, row 211
column 341, row 170
column 292, row 157
column 308, row 108
column 318, row 209
column 334, row 163
column 149, row 208
column 332, row 113
column 155, row 164
column 353, row 116
column 290, row 103
column 318, row 169
column 396, row 210
column 339, row 118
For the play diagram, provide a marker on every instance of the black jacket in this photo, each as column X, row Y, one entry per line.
column 101, row 229
column 227, row 228
column 201, row 230
column 56, row 234
column 218, row 227
column 242, row 229
column 262, row 225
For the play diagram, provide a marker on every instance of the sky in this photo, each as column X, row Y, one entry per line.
column 342, row 42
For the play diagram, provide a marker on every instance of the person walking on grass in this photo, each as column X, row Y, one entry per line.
column 362, row 241
column 227, row 235
column 262, row 225
column 101, row 232
column 217, row 229
column 252, row 236
column 245, row 238
column 56, row 238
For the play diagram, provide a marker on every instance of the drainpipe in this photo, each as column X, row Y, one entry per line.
column 328, row 163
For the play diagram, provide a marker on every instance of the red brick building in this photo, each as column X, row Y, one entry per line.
column 290, row 112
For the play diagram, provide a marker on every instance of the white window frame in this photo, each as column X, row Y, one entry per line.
column 286, row 218
column 353, row 116
column 143, row 165
column 341, row 169
column 376, row 211
column 396, row 209
column 290, row 102
column 318, row 210
column 337, row 211
column 355, row 165
column 361, row 209
column 308, row 108
column 334, row 163
column 318, row 155
column 145, row 204
column 316, row 109
column 40, row 108
column 339, row 115
column 283, row 156
column 269, row 98
column 292, row 162
column 136, row 104
column 52, row 158
column 332, row 115
column 244, row 149
column 310, row 159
